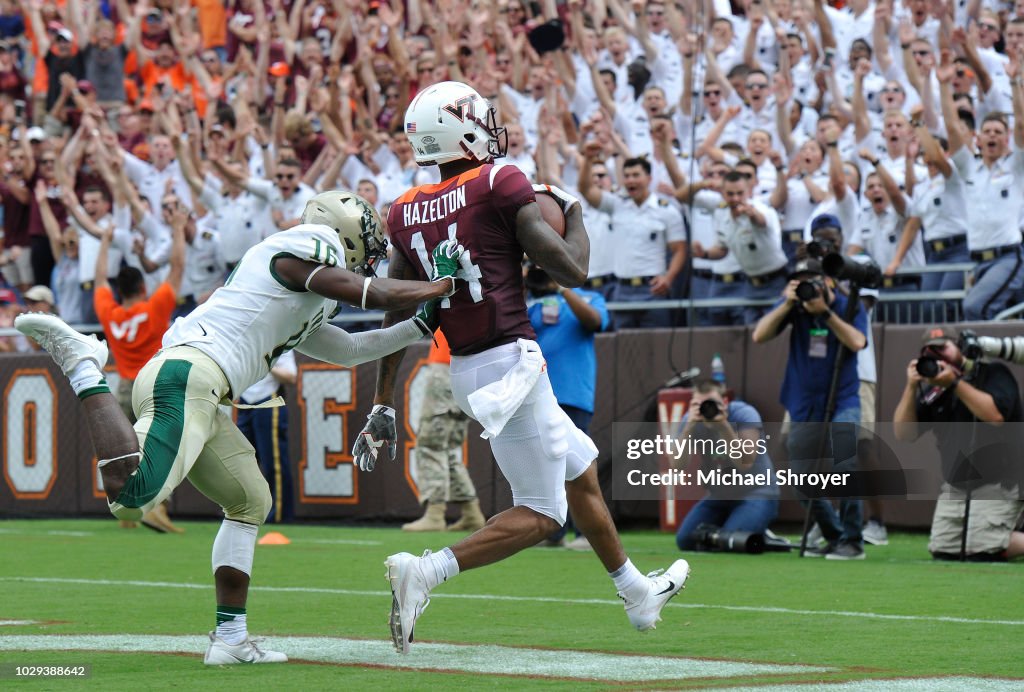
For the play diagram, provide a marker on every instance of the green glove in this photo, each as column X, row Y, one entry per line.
column 446, row 262
column 428, row 319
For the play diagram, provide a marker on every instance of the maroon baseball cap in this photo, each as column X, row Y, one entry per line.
column 8, row 296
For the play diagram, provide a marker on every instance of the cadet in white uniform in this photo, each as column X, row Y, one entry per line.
column 940, row 202
column 278, row 299
column 995, row 200
column 645, row 229
column 749, row 231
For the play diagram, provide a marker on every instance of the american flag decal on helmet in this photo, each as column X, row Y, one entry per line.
column 410, row 128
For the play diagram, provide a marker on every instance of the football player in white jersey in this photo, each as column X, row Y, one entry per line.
column 278, row 298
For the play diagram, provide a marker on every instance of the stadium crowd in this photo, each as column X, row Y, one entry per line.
column 726, row 129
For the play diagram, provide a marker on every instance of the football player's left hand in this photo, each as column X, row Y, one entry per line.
column 446, row 262
column 378, row 431
column 564, row 199
column 429, row 316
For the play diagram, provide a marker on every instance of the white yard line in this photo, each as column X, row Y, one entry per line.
column 955, row 684
column 468, row 658
column 530, row 599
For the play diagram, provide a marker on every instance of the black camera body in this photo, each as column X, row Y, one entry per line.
column 809, row 289
column 969, row 345
column 537, row 281
column 709, row 409
column 819, row 247
column 927, row 366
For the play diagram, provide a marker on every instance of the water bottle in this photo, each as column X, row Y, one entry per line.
column 718, row 369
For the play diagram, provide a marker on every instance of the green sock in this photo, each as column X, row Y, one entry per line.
column 231, row 626
column 228, row 613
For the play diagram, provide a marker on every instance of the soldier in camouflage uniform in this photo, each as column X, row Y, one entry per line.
column 440, row 474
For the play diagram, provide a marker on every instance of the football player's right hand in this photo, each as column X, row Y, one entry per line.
column 446, row 262
column 564, row 199
column 379, row 431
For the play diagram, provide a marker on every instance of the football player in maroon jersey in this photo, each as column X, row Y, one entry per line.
column 497, row 369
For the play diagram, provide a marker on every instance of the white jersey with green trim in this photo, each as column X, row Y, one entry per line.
column 256, row 316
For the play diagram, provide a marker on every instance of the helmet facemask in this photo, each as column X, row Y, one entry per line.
column 375, row 245
column 497, row 137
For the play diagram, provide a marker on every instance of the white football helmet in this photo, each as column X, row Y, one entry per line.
column 449, row 121
column 357, row 224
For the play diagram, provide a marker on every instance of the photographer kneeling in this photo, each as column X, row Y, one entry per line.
column 734, row 508
column 943, row 386
column 813, row 307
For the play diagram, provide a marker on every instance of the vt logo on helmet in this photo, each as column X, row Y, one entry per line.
column 357, row 224
column 449, row 121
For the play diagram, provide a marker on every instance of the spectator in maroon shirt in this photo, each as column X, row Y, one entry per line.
column 12, row 82
column 306, row 143
column 16, row 258
column 42, row 256
column 129, row 128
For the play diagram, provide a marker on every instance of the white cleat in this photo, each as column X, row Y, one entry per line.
column 409, row 597
column 645, row 613
column 67, row 347
column 220, row 653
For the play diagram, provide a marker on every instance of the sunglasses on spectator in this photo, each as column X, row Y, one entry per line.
column 47, row 162
column 169, row 206
column 757, row 85
column 285, row 176
column 987, row 25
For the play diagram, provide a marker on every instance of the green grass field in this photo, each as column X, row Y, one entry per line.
column 146, row 602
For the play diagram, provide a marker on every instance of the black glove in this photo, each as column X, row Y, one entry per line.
column 378, row 431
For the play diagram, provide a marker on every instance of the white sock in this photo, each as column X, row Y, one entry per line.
column 442, row 567
column 629, row 581
column 233, row 631
column 86, row 376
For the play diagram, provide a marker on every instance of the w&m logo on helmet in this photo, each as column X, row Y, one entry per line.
column 461, row 107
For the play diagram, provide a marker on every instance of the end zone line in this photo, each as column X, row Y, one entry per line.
column 525, row 599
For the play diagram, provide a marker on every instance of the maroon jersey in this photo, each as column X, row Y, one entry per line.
column 478, row 209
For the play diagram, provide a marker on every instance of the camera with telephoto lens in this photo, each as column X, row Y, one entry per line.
column 1009, row 348
column 927, row 366
column 865, row 274
column 714, row 539
column 709, row 409
column 809, row 289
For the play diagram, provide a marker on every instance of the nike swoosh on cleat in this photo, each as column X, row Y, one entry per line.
column 670, row 587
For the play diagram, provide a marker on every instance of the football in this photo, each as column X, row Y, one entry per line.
column 551, row 212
